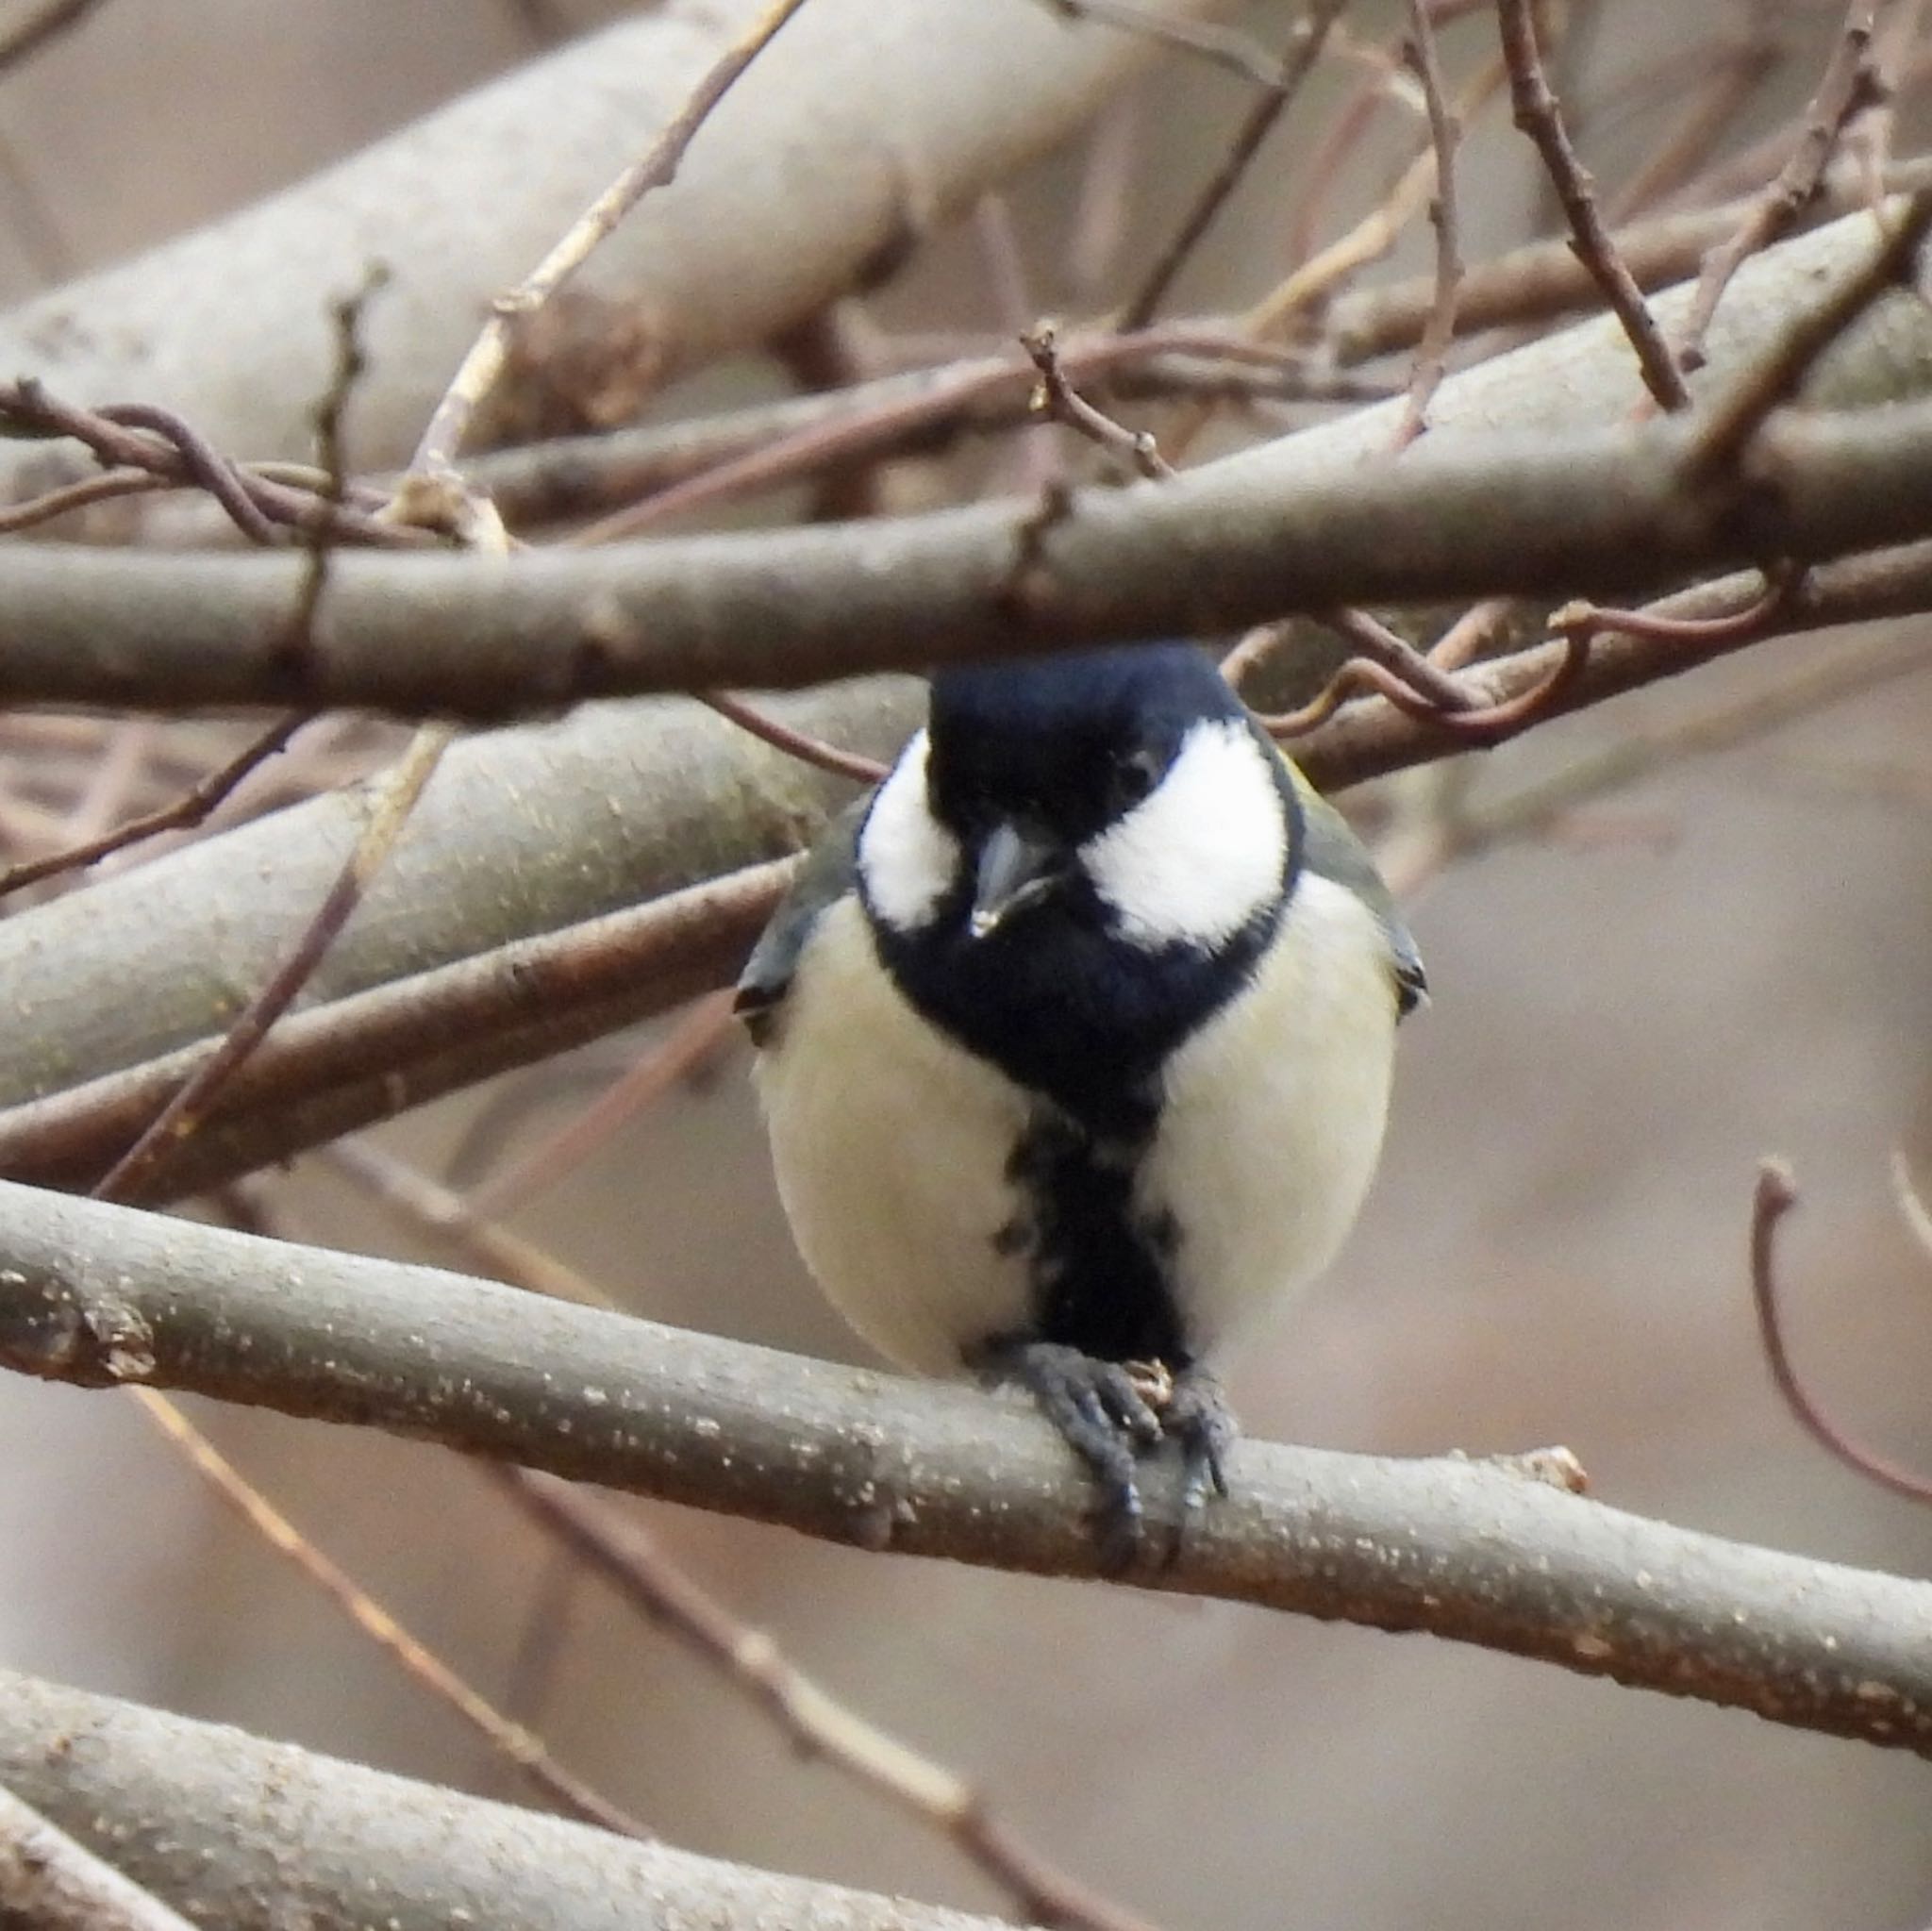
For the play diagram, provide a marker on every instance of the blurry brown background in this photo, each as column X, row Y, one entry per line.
column 1728, row 959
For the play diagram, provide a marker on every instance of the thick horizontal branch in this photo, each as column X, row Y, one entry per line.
column 475, row 636
column 333, row 1068
column 246, row 1835
column 522, row 832
column 100, row 1296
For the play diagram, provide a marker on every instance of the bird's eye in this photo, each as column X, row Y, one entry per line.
column 1136, row 774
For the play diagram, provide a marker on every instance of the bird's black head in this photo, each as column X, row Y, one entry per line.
column 1080, row 859
column 1065, row 745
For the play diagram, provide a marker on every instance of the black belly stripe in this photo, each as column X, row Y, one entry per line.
column 1100, row 1269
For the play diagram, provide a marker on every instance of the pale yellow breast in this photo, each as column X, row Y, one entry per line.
column 1273, row 1117
column 890, row 1144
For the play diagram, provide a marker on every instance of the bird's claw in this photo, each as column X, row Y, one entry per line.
column 1110, row 1413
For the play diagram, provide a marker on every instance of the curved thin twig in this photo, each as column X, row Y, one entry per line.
column 1775, row 1196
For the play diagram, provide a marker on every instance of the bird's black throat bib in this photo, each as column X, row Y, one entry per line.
column 1084, row 1022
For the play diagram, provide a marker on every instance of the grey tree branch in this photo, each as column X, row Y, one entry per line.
column 100, row 1296
column 522, row 832
column 911, row 113
column 246, row 1835
column 344, row 1064
column 48, row 1882
column 1296, row 525
column 1601, row 511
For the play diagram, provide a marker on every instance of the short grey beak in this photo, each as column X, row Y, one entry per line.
column 1015, row 871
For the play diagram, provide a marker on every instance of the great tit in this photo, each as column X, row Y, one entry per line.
column 1075, row 1040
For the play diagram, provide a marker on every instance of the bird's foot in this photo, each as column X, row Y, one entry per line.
column 1196, row 1412
column 1112, row 1413
column 1103, row 1414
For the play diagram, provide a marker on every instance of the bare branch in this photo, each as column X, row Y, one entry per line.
column 1540, row 117
column 98, row 1295
column 1846, row 89
column 1593, row 511
column 914, row 112
column 1775, row 1195
column 1311, row 36
column 175, row 1123
column 191, row 809
column 339, row 1066
column 50, row 1883
column 489, row 356
column 1057, row 397
column 181, row 1807
column 1419, row 54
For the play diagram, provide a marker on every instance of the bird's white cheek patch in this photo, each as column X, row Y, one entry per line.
column 1196, row 859
column 907, row 858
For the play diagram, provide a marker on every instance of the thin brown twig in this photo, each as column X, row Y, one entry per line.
column 702, row 1032
column 510, row 1739
column 1583, row 618
column 1539, row 115
column 896, row 412
column 1431, row 356
column 1370, row 638
column 814, row 1721
column 1748, row 170
column 544, row 1639
column 81, row 494
column 797, row 743
column 201, row 461
column 181, row 813
column 1314, row 283
column 1775, row 1195
column 1292, row 72
column 483, row 366
column 135, row 1173
column 1734, row 417
column 1846, row 87
column 1058, row 398
column 1327, row 167
column 264, row 501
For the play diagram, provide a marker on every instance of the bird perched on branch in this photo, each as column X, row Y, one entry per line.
column 1076, row 1039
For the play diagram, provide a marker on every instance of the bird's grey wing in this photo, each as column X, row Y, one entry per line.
column 826, row 875
column 1331, row 850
